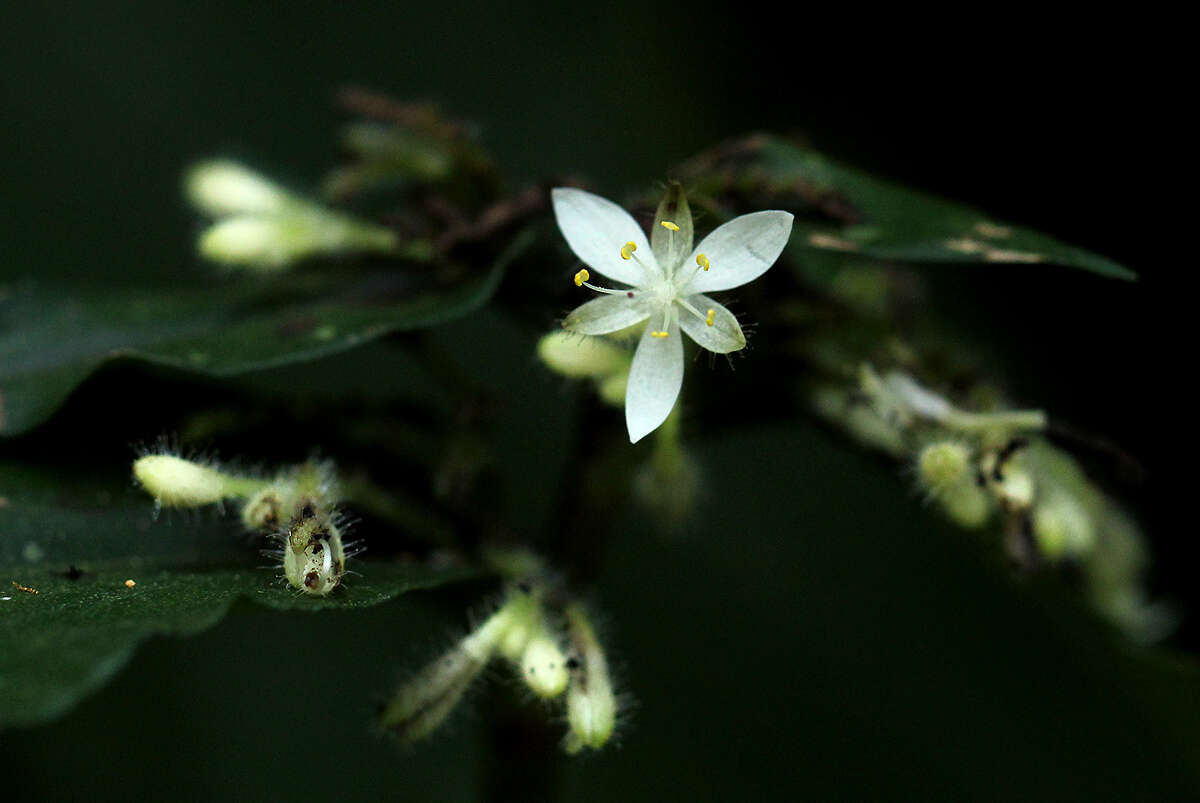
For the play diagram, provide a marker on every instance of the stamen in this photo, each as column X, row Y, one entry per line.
column 708, row 319
column 702, row 261
column 582, row 277
column 687, row 306
column 628, row 249
column 666, row 224
column 665, row 331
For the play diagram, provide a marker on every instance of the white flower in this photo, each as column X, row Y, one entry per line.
column 667, row 280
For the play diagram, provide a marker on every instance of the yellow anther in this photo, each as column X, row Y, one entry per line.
column 666, row 224
column 582, row 277
column 628, row 249
column 708, row 319
column 659, row 335
column 702, row 261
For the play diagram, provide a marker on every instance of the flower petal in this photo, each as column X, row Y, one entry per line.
column 739, row 251
column 654, row 381
column 605, row 314
column 724, row 336
column 671, row 245
column 596, row 228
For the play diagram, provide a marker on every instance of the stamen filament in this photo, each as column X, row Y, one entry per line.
column 581, row 280
column 591, row 286
column 666, row 329
column 687, row 306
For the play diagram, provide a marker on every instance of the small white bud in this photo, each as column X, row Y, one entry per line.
column 271, row 243
column 263, row 242
column 223, row 187
column 575, row 356
column 175, row 482
column 543, row 666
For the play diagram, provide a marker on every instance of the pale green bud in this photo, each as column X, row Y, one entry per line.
column 575, row 356
column 942, row 464
column 525, row 620
column 422, row 704
column 176, row 482
column 543, row 665
column 966, row 504
column 223, row 187
column 271, row 243
column 591, row 704
column 1062, row 527
column 612, row 389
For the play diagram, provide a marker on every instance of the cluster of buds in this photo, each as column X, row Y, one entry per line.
column 978, row 467
column 296, row 509
column 552, row 648
column 260, row 225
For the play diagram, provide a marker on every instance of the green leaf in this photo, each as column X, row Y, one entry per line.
column 76, row 544
column 842, row 211
column 52, row 339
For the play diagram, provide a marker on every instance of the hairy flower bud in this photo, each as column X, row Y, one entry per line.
column 591, row 704
column 176, row 482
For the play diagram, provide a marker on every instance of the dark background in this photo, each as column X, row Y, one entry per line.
column 882, row 666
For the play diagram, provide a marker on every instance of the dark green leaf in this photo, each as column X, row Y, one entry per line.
column 841, row 210
column 51, row 339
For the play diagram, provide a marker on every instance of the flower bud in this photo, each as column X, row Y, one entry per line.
column 612, row 388
column 1062, row 527
column 419, row 706
column 223, row 187
column 543, row 665
column 576, row 356
column 272, row 243
column 943, row 464
column 591, row 704
column 268, row 509
column 966, row 504
column 175, row 482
